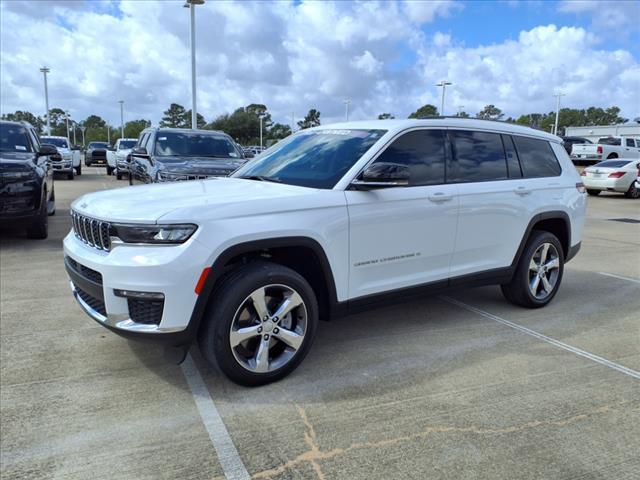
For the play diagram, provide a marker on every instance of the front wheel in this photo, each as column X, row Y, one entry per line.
column 79, row 170
column 260, row 324
column 109, row 171
column 538, row 273
column 593, row 193
column 39, row 229
column 70, row 175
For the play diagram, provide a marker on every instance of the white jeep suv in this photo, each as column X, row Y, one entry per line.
column 326, row 222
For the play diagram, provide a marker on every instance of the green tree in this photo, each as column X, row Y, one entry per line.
column 200, row 121
column 278, row 131
column 312, row 119
column 385, row 116
column 25, row 116
column 462, row 114
column 174, row 117
column 490, row 112
column 133, row 128
column 425, row 111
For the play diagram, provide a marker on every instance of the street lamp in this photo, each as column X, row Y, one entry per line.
column 557, row 95
column 74, row 125
column 82, row 129
column 66, row 117
column 121, row 102
column 45, row 71
column 347, row 102
column 191, row 4
column 261, row 116
column 443, row 84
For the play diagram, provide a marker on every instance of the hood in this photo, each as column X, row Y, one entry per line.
column 148, row 203
column 16, row 161
column 198, row 165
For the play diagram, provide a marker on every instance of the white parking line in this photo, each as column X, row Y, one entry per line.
column 228, row 456
column 628, row 279
column 552, row 341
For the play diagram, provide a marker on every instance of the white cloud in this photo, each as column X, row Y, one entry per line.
column 292, row 57
column 606, row 14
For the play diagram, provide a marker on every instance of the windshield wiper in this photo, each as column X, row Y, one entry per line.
column 262, row 178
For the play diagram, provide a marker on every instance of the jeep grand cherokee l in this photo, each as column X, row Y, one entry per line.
column 27, row 196
column 327, row 221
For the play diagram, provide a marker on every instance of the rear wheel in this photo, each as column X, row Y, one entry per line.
column 593, row 193
column 539, row 272
column 260, row 323
column 612, row 155
column 118, row 174
column 633, row 191
column 79, row 170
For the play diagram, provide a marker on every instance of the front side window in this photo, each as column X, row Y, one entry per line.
column 56, row 142
column 479, row 157
column 194, row 144
column 14, row 138
column 536, row 157
column 315, row 158
column 422, row 152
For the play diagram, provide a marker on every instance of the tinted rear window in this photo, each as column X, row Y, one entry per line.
column 479, row 157
column 609, row 141
column 422, row 152
column 536, row 158
column 613, row 163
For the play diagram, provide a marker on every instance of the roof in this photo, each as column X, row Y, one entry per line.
column 398, row 125
column 53, row 136
column 184, row 130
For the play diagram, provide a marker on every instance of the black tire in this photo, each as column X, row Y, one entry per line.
column 51, row 206
column 79, row 170
column 118, row 175
column 109, row 170
column 518, row 291
column 633, row 191
column 612, row 155
column 234, row 290
column 39, row 229
column 593, row 193
column 71, row 174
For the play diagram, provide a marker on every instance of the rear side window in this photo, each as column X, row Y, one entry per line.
column 423, row 152
column 480, row 157
column 630, row 142
column 609, row 141
column 513, row 165
column 537, row 158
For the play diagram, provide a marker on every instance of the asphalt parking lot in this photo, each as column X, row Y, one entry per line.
column 463, row 386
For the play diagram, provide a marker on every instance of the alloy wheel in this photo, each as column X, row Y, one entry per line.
column 268, row 328
column 544, row 269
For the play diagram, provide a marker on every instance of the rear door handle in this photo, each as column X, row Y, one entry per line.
column 440, row 197
column 522, row 191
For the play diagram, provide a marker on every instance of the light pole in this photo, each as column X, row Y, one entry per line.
column 443, row 84
column 261, row 116
column 191, row 4
column 557, row 95
column 121, row 102
column 82, row 129
column 73, row 124
column 347, row 102
column 66, row 117
column 46, row 70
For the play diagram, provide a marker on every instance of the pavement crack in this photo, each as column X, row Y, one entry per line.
column 314, row 455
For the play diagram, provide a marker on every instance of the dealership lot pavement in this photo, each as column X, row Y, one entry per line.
column 463, row 386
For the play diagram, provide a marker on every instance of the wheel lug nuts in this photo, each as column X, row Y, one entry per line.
column 275, row 319
column 276, row 330
column 266, row 336
column 266, row 317
column 259, row 329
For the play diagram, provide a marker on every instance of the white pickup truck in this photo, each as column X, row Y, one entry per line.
column 606, row 148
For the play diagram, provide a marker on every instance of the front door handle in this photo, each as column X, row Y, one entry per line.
column 522, row 191
column 440, row 197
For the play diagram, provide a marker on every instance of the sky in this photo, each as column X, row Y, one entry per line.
column 297, row 55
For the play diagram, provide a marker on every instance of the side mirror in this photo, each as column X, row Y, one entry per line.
column 382, row 175
column 139, row 152
column 46, row 150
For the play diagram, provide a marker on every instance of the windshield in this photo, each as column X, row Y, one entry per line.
column 58, row 142
column 97, row 145
column 192, row 144
column 124, row 144
column 13, row 138
column 317, row 158
column 609, row 141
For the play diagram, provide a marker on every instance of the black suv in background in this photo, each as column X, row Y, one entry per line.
column 96, row 154
column 172, row 154
column 27, row 196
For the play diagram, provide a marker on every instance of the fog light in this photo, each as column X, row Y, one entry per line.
column 140, row 295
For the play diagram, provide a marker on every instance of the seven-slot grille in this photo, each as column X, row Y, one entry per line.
column 91, row 231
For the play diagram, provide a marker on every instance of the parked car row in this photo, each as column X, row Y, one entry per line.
column 617, row 175
column 68, row 158
column 606, row 148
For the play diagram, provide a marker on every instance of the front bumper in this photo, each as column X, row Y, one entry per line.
column 170, row 270
column 64, row 166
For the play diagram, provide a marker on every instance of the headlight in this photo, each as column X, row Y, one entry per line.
column 156, row 234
